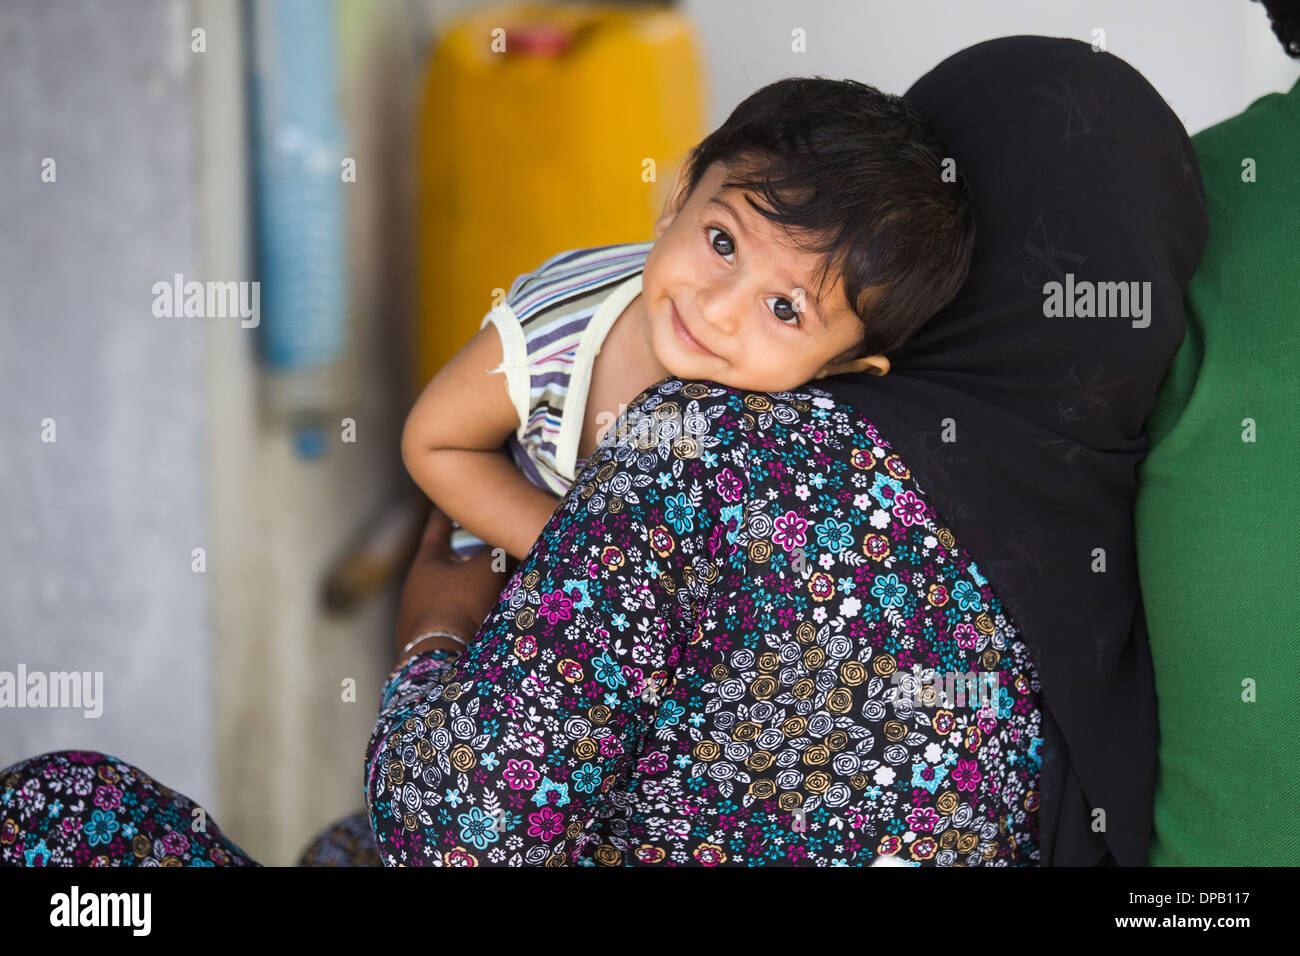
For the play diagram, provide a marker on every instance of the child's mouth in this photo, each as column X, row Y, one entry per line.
column 684, row 334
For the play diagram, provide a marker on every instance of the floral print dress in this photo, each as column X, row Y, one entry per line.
column 85, row 808
column 734, row 644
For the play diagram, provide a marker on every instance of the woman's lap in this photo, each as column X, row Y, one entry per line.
column 85, row 808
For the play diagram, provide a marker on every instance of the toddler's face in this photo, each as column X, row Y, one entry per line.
column 731, row 299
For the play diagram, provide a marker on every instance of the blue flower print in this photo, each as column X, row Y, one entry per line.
column 547, row 787
column 928, row 776
column 607, row 671
column 889, row 590
column 38, row 855
column 885, row 490
column 586, row 777
column 834, row 536
column 101, row 827
column 670, row 711
column 1005, row 703
column 967, row 598
column 680, row 513
column 581, row 586
column 734, row 513
column 478, row 828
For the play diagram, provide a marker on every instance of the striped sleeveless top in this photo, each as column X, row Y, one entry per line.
column 551, row 324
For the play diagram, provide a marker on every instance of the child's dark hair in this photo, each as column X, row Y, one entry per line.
column 1284, row 15
column 853, row 174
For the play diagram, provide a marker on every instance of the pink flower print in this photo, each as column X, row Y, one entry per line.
column 923, row 819
column 720, row 534
column 656, row 762
column 728, row 485
column 791, row 531
column 546, row 823
column 909, row 508
column 556, row 606
column 966, row 636
column 108, row 797
column 967, row 774
column 521, row 775
column 174, row 843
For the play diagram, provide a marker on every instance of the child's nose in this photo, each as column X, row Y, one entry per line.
column 722, row 312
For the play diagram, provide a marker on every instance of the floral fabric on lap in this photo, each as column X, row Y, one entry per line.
column 84, row 808
column 743, row 639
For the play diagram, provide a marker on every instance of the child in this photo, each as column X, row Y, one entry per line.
column 854, row 187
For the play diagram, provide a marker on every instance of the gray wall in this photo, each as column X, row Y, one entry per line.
column 96, row 529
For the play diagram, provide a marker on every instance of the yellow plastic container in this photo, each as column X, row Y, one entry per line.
column 539, row 128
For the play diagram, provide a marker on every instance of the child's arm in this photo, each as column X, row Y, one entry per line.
column 451, row 445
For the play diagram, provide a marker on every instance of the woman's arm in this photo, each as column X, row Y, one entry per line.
column 444, row 593
column 509, row 752
column 451, row 445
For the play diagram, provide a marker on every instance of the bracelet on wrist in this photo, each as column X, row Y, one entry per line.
column 425, row 635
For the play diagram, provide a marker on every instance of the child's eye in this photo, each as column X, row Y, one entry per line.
column 731, row 251
column 790, row 313
column 782, row 315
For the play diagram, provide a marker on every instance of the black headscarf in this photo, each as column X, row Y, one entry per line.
column 1077, row 166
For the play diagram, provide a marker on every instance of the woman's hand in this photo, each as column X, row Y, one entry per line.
column 445, row 593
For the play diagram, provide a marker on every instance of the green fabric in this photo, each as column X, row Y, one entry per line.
column 1217, row 516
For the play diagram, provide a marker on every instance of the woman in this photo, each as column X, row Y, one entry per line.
column 708, row 656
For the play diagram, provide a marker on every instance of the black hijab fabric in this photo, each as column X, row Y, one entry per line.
column 1078, row 167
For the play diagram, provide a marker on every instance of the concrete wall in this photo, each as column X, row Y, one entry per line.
column 96, row 528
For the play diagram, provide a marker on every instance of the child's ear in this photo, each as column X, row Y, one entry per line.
column 875, row 364
column 676, row 199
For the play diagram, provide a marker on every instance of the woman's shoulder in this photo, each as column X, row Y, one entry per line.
column 800, row 415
